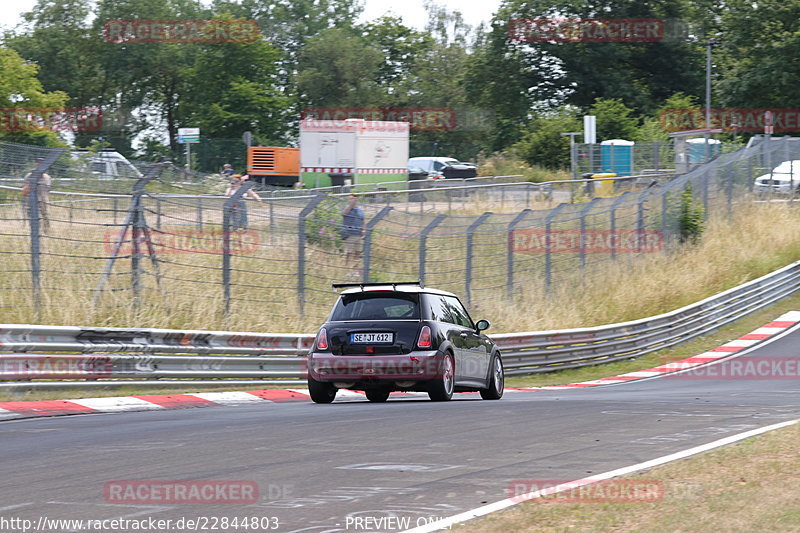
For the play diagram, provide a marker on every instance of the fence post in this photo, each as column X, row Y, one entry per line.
column 301, row 248
column 34, row 183
column 423, row 241
column 548, row 260
column 729, row 189
column 583, row 213
column 200, row 214
column 613, row 223
column 510, row 250
column 470, row 237
column 640, row 209
column 227, row 208
column 368, row 240
column 136, row 196
column 158, row 212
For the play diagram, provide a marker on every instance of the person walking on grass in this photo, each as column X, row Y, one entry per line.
column 239, row 208
column 353, row 230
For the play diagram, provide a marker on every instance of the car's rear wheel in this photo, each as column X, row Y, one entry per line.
column 496, row 381
column 441, row 390
column 377, row 395
column 320, row 391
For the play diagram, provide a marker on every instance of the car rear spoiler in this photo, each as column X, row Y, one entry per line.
column 394, row 284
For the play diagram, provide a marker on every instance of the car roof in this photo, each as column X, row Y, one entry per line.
column 396, row 288
column 439, row 159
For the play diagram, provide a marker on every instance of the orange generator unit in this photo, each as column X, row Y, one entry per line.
column 272, row 165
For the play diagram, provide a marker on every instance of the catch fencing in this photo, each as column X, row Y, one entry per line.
column 161, row 244
column 50, row 357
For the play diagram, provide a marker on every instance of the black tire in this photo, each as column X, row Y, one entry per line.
column 320, row 391
column 377, row 395
column 441, row 390
column 496, row 380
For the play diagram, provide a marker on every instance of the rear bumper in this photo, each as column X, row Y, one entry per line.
column 415, row 366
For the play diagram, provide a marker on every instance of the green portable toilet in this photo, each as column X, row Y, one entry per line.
column 616, row 155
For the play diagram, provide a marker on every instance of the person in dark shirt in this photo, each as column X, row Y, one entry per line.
column 354, row 227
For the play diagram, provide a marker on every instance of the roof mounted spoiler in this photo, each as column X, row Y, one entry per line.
column 394, row 284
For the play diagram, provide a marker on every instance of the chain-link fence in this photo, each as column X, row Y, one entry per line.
column 157, row 244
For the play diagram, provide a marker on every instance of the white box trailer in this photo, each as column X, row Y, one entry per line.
column 372, row 151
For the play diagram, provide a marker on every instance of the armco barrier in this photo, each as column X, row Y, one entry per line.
column 43, row 357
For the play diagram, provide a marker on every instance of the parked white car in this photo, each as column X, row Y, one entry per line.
column 444, row 167
column 784, row 179
column 106, row 164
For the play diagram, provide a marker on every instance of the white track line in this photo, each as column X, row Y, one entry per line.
column 516, row 500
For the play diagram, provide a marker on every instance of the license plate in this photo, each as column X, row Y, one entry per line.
column 371, row 338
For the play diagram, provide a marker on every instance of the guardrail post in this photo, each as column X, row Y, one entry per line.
column 301, row 249
column 368, row 240
column 423, row 242
column 584, row 212
column 227, row 211
column 470, row 237
column 510, row 250
column 548, row 260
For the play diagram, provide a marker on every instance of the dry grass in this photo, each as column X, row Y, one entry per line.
column 746, row 487
column 760, row 238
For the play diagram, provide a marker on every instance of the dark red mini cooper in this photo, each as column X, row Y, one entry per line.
column 384, row 337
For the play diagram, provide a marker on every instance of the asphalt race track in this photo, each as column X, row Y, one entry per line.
column 319, row 467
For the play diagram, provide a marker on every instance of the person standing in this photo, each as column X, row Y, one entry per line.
column 42, row 194
column 239, row 209
column 227, row 171
column 354, row 227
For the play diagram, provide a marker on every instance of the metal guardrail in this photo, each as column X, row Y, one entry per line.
column 46, row 357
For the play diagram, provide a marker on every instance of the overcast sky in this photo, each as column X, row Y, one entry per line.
column 412, row 12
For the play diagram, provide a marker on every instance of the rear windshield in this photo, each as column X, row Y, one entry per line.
column 376, row 306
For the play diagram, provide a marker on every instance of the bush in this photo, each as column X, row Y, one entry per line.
column 324, row 224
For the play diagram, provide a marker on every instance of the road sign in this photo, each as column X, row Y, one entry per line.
column 188, row 135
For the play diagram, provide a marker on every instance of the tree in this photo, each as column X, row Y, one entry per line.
column 22, row 92
column 543, row 144
column 337, row 68
column 614, row 120
column 232, row 89
column 756, row 58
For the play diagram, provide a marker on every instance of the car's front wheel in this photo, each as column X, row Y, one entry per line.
column 496, row 380
column 441, row 390
column 320, row 391
column 377, row 395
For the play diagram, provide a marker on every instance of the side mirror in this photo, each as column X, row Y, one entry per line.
column 482, row 325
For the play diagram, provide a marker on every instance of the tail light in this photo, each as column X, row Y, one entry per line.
column 424, row 339
column 322, row 339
